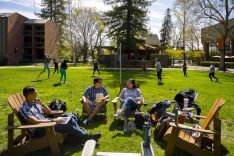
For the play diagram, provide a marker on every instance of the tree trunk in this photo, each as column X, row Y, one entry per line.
column 129, row 37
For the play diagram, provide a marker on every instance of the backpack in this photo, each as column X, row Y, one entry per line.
column 158, row 109
column 189, row 94
column 58, row 105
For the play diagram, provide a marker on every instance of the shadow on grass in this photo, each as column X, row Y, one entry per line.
column 96, row 121
column 57, row 84
column 116, row 125
column 36, row 80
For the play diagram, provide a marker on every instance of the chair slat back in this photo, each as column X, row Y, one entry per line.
column 217, row 105
column 15, row 101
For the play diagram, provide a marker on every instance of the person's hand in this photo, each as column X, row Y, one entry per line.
column 58, row 120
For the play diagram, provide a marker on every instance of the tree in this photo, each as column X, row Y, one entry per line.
column 87, row 27
column 218, row 11
column 54, row 10
column 165, row 32
column 127, row 20
column 182, row 12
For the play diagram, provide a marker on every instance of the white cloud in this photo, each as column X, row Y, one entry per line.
column 22, row 12
column 98, row 4
column 28, row 3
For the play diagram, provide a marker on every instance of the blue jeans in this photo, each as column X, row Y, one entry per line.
column 71, row 127
column 130, row 105
column 63, row 74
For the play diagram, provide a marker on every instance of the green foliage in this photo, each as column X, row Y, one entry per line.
column 208, row 63
column 54, row 10
column 113, row 139
column 174, row 54
column 166, row 30
column 127, row 20
column 178, row 54
column 65, row 50
column 195, row 54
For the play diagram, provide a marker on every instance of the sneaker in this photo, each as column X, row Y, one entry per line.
column 96, row 136
column 86, row 122
column 118, row 115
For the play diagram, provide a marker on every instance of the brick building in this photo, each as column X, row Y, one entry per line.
column 26, row 40
column 211, row 35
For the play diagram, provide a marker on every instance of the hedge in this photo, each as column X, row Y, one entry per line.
column 208, row 63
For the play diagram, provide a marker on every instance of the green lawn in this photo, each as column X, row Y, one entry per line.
column 113, row 139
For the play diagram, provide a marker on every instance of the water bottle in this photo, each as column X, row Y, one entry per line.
column 146, row 135
column 176, row 116
column 185, row 107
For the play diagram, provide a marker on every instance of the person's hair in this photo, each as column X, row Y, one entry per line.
column 133, row 82
column 96, row 79
column 156, row 59
column 28, row 90
column 64, row 61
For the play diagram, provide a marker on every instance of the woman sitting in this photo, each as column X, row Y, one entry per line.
column 130, row 97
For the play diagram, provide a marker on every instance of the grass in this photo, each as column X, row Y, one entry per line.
column 113, row 139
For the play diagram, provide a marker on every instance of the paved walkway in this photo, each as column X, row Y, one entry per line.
column 201, row 68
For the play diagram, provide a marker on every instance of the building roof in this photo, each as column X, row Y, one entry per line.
column 152, row 39
column 36, row 21
column 6, row 14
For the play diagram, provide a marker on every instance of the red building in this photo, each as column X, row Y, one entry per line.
column 26, row 40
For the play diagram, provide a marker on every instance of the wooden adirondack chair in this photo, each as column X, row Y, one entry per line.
column 197, row 145
column 116, row 99
column 23, row 144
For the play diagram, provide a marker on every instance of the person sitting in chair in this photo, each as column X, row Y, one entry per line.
column 94, row 98
column 33, row 112
column 130, row 97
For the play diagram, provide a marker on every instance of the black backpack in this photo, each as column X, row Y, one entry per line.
column 189, row 94
column 58, row 105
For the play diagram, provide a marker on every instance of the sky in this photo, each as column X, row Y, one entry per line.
column 28, row 7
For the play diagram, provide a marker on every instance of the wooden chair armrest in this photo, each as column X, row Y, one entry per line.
column 115, row 100
column 40, row 125
column 182, row 126
column 56, row 112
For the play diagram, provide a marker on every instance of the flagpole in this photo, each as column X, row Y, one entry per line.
column 120, row 65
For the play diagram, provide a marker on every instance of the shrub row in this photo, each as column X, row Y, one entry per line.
column 207, row 64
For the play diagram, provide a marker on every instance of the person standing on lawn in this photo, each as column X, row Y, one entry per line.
column 95, row 67
column 55, row 66
column 158, row 70
column 212, row 72
column 185, row 69
column 63, row 71
column 46, row 67
column 143, row 67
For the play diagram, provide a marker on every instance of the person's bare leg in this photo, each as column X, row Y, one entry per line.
column 86, row 107
column 96, row 110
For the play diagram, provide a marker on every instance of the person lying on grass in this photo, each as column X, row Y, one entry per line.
column 33, row 112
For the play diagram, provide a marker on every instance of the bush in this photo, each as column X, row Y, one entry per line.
column 207, row 64
column 3, row 61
